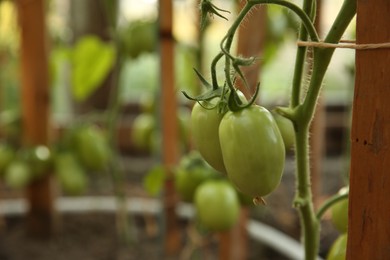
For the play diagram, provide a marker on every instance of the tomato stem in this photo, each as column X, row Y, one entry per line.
column 301, row 56
column 322, row 57
column 329, row 203
column 303, row 201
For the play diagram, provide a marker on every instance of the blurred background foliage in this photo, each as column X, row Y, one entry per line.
column 137, row 33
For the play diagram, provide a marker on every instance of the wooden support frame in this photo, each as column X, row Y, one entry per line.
column 168, row 112
column 369, row 205
column 36, row 107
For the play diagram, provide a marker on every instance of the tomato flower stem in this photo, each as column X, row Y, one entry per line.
column 214, row 80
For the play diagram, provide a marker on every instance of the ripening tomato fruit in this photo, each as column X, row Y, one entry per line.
column 253, row 150
column 286, row 129
column 204, row 131
column 217, row 205
column 338, row 250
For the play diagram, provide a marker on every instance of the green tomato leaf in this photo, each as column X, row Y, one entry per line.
column 92, row 59
column 154, row 180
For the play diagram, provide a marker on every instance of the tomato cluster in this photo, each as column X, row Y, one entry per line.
column 85, row 149
column 216, row 201
column 246, row 144
column 82, row 149
column 20, row 166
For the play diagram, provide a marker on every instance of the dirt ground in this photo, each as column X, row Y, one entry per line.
column 92, row 236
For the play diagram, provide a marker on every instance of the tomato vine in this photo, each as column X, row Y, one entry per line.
column 301, row 109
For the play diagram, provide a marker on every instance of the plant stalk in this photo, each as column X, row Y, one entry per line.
column 322, row 57
column 305, row 112
column 303, row 200
column 301, row 57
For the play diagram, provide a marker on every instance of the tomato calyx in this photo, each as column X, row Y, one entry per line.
column 208, row 8
column 207, row 96
column 235, row 104
column 214, row 90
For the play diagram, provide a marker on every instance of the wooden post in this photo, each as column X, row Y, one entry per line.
column 169, row 126
column 369, row 207
column 35, row 107
column 233, row 244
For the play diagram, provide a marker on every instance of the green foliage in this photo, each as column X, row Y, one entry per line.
column 92, row 60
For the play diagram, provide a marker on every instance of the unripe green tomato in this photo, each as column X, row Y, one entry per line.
column 339, row 214
column 338, row 250
column 192, row 171
column 7, row 154
column 139, row 37
column 92, row 148
column 187, row 181
column 11, row 123
column 142, row 131
column 40, row 159
column 204, row 131
column 245, row 200
column 217, row 205
column 286, row 128
column 70, row 174
column 253, row 150
column 184, row 119
column 18, row 174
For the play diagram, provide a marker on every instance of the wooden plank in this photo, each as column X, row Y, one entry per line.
column 170, row 149
column 369, row 212
column 233, row 244
column 35, row 107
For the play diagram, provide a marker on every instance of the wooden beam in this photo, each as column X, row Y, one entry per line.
column 369, row 212
column 35, row 106
column 168, row 112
